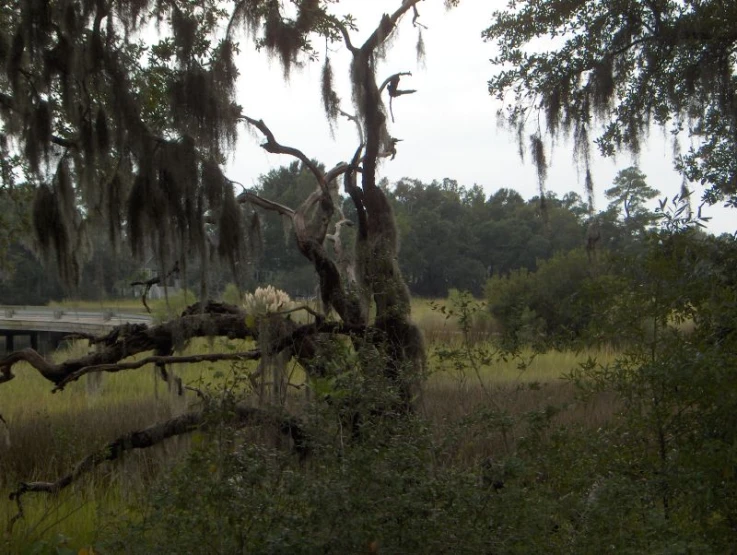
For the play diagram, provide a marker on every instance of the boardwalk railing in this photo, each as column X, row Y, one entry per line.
column 46, row 326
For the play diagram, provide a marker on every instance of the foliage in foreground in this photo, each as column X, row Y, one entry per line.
column 658, row 477
column 562, row 491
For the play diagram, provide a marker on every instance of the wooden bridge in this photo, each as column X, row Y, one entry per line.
column 45, row 327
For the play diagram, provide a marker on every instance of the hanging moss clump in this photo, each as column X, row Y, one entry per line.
column 330, row 99
column 52, row 233
column 230, row 230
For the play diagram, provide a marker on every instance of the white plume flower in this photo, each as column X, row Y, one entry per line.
column 266, row 300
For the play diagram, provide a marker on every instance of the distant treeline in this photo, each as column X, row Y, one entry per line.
column 451, row 236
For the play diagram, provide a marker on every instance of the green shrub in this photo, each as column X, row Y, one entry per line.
column 386, row 494
column 660, row 476
column 554, row 306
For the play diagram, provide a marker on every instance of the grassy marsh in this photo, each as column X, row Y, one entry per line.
column 49, row 433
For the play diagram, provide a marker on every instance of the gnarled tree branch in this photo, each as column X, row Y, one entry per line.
column 217, row 320
column 149, row 283
column 266, row 204
column 393, row 80
column 130, row 339
column 242, row 415
column 158, row 360
column 272, row 145
column 386, row 26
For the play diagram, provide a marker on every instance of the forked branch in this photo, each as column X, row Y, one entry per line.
column 393, row 82
column 273, row 146
column 149, row 283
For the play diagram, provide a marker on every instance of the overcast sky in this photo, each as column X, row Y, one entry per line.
column 448, row 128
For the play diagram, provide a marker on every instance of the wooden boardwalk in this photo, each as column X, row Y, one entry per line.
column 46, row 326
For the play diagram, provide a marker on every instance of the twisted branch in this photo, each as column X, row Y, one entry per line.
column 128, row 340
column 266, row 204
column 155, row 434
column 218, row 320
column 149, row 283
column 158, row 360
column 274, row 147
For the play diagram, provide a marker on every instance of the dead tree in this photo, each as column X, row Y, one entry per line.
column 176, row 192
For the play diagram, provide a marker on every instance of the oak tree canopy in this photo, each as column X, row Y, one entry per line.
column 608, row 71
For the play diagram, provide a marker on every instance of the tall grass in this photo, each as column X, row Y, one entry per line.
column 117, row 305
column 49, row 433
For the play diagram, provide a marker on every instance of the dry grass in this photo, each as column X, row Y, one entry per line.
column 49, row 433
column 82, row 416
column 440, row 325
column 508, row 391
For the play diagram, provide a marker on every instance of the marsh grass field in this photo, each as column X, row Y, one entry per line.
column 49, row 433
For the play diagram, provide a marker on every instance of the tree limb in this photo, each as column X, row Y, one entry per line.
column 127, row 340
column 336, row 172
column 416, row 17
column 346, row 37
column 217, row 320
column 374, row 118
column 355, row 120
column 155, row 434
column 149, row 283
column 318, row 316
column 266, row 204
column 6, row 101
column 393, row 80
column 386, row 25
column 342, row 257
column 354, row 191
column 394, row 91
column 158, row 360
column 272, row 145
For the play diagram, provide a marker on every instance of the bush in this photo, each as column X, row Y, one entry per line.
column 554, row 306
column 385, row 494
column 660, row 476
column 559, row 490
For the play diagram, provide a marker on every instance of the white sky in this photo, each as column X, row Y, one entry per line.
column 448, row 128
